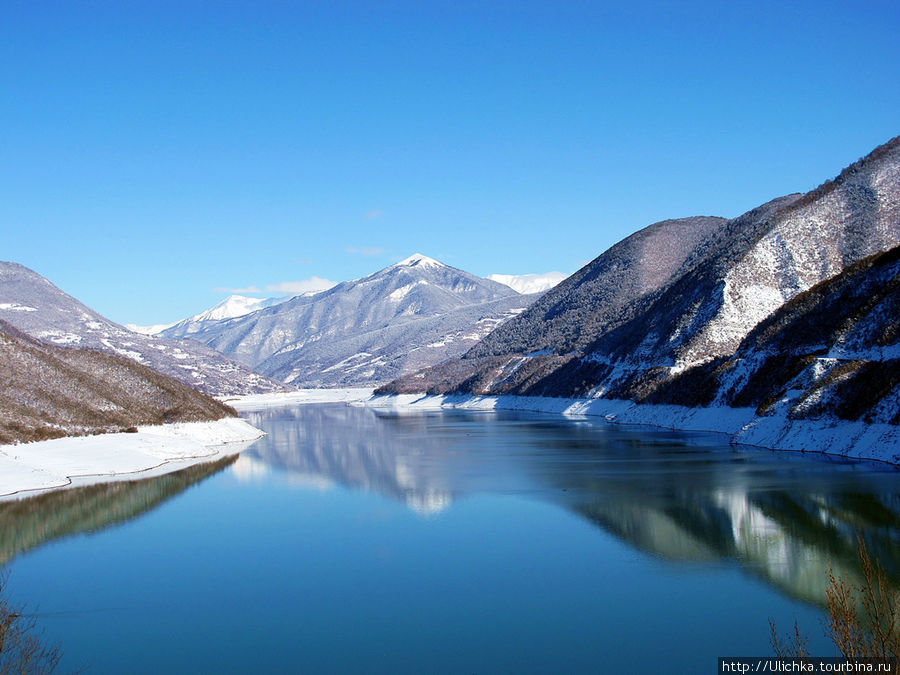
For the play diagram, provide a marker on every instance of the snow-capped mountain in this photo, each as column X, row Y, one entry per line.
column 528, row 283
column 231, row 307
column 33, row 305
column 414, row 313
column 658, row 316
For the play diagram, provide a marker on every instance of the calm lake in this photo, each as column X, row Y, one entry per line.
column 352, row 539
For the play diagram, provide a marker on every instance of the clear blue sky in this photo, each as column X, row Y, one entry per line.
column 154, row 153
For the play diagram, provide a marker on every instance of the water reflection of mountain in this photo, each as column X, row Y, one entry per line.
column 29, row 523
column 355, row 448
column 783, row 517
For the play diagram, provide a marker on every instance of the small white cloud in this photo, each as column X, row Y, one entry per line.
column 365, row 250
column 248, row 289
column 374, row 213
column 311, row 285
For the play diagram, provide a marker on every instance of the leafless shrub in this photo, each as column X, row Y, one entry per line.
column 863, row 622
column 22, row 648
column 795, row 645
column 873, row 632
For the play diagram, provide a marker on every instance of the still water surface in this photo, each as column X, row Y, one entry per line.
column 357, row 540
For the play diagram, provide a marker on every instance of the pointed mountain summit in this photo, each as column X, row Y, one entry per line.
column 33, row 305
column 413, row 313
column 418, row 259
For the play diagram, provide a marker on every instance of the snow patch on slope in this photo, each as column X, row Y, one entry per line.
column 403, row 291
column 16, row 307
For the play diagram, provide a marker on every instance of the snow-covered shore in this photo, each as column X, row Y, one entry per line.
column 28, row 468
column 835, row 437
column 303, row 396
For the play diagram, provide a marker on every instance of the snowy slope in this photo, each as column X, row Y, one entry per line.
column 231, row 307
column 58, row 318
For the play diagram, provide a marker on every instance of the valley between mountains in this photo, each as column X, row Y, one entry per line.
column 783, row 319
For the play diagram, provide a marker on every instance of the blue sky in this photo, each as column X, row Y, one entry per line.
column 157, row 153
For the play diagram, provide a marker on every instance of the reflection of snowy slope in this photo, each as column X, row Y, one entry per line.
column 783, row 519
column 321, row 444
column 30, row 523
column 791, row 540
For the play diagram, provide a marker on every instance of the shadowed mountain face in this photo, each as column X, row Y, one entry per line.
column 368, row 331
column 831, row 351
column 29, row 523
column 684, row 497
column 603, row 293
column 36, row 307
column 48, row 392
column 622, row 338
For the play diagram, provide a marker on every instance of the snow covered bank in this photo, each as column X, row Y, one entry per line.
column 262, row 401
column 836, row 437
column 153, row 450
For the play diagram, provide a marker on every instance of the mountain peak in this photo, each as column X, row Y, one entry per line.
column 418, row 260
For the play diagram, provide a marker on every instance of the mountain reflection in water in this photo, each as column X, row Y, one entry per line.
column 684, row 497
column 28, row 523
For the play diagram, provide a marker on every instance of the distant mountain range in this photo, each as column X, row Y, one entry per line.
column 705, row 311
column 240, row 305
column 528, row 283
column 36, row 307
column 412, row 314
column 231, row 307
column 50, row 391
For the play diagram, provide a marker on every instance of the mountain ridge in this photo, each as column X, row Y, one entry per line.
column 35, row 306
column 51, row 391
column 664, row 346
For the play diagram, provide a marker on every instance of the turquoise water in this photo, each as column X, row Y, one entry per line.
column 354, row 540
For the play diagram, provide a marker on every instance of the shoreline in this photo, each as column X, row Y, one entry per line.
column 300, row 397
column 853, row 440
column 29, row 469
